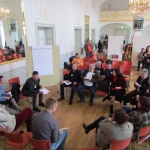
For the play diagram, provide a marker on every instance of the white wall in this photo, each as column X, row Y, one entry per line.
column 146, row 31
column 65, row 15
column 15, row 14
column 115, row 46
column 109, row 29
column 138, row 43
column 115, row 5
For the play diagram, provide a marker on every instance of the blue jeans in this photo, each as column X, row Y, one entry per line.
column 127, row 109
column 82, row 87
column 61, row 142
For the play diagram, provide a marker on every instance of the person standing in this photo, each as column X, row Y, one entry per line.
column 99, row 46
column 31, row 88
column 45, row 126
column 140, row 58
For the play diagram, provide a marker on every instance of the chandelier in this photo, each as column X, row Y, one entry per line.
column 4, row 13
column 139, row 7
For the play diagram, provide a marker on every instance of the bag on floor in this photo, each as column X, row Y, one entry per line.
column 104, row 86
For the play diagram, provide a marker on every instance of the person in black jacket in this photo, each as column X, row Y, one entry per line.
column 74, row 78
column 31, row 88
column 141, row 86
column 99, row 46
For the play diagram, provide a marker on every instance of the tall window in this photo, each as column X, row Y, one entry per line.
column 2, row 36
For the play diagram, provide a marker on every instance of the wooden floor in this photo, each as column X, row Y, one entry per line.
column 73, row 116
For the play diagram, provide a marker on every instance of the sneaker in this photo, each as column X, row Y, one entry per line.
column 91, row 103
column 60, row 99
column 80, row 101
column 36, row 109
column 42, row 104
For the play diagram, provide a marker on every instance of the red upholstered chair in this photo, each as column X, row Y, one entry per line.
column 92, row 60
column 100, row 93
column 21, row 96
column 143, row 135
column 8, row 57
column 19, row 55
column 16, row 140
column 39, row 144
column 120, row 144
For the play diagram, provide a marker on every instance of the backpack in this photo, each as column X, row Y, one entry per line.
column 104, row 86
column 66, row 65
column 15, row 91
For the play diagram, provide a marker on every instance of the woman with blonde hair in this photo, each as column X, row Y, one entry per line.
column 94, row 55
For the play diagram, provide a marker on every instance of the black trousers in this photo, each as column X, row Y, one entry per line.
column 34, row 95
column 94, row 125
column 130, row 95
column 62, row 86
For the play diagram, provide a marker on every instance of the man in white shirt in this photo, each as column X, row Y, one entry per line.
column 90, row 78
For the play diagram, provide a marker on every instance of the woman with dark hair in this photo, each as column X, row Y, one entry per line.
column 115, row 128
column 141, row 117
column 117, row 87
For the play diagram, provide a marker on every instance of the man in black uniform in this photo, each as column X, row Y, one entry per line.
column 74, row 80
column 31, row 88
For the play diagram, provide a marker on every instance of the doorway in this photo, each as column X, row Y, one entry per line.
column 78, row 45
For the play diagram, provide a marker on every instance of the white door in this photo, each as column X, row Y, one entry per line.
column 93, row 36
column 49, row 36
column 78, row 41
column 41, row 36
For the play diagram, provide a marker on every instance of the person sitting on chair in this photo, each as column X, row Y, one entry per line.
column 141, row 86
column 94, row 55
column 31, row 88
column 108, row 71
column 115, row 128
column 6, row 98
column 99, row 68
column 74, row 78
column 117, row 88
column 141, row 117
column 90, row 78
column 45, row 126
column 12, row 122
column 77, row 60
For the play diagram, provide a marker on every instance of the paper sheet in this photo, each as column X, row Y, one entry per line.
column 64, row 129
column 44, row 91
column 67, row 83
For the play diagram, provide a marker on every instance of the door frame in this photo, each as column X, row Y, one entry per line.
column 44, row 25
column 82, row 43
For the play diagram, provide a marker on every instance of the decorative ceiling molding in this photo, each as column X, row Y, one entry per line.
column 118, row 16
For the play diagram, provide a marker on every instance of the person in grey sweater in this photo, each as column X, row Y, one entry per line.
column 45, row 127
column 115, row 128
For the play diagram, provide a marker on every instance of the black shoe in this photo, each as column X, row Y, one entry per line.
column 105, row 98
column 60, row 99
column 110, row 115
column 36, row 109
column 85, row 128
column 91, row 103
column 80, row 101
column 70, row 102
column 42, row 104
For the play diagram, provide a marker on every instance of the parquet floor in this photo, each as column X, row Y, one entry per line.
column 73, row 116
